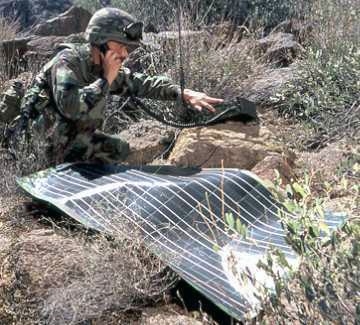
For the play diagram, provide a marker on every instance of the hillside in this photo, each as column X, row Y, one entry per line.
column 298, row 62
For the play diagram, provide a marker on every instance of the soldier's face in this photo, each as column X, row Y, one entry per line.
column 119, row 49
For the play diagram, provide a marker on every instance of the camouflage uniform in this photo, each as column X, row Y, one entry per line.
column 69, row 110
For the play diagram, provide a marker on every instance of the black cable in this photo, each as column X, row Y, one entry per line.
column 237, row 106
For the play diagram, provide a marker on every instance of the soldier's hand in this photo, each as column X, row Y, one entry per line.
column 200, row 100
column 111, row 63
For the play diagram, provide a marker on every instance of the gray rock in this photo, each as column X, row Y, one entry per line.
column 30, row 12
column 280, row 48
column 148, row 139
column 263, row 86
column 72, row 21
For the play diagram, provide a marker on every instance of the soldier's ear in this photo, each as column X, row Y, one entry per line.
column 97, row 56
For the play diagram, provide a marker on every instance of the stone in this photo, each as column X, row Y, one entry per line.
column 279, row 48
column 148, row 139
column 284, row 164
column 325, row 162
column 72, row 21
column 42, row 48
column 298, row 27
column 30, row 12
column 230, row 144
column 262, row 87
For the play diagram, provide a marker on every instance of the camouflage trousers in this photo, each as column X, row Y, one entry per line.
column 97, row 147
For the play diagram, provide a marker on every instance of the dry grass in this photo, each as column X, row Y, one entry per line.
column 59, row 279
column 52, row 272
column 9, row 28
column 215, row 63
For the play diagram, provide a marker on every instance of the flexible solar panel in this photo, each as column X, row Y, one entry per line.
column 190, row 218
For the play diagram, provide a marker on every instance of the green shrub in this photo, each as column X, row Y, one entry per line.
column 325, row 92
column 324, row 288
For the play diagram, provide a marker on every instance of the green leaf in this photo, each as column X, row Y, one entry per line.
column 216, row 248
column 314, row 231
column 230, row 220
column 241, row 228
column 282, row 261
column 299, row 189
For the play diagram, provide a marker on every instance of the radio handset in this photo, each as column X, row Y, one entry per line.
column 103, row 48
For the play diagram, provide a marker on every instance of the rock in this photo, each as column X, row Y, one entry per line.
column 262, row 87
column 72, row 21
column 265, row 169
column 148, row 139
column 30, row 12
column 299, row 28
column 237, row 144
column 16, row 46
column 325, row 162
column 42, row 48
column 279, row 48
column 225, row 33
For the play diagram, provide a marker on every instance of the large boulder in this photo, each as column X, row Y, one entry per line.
column 42, row 48
column 72, row 21
column 148, row 140
column 280, row 48
column 47, row 46
column 262, row 87
column 30, row 12
column 231, row 145
column 283, row 164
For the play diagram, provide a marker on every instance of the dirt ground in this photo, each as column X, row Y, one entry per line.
column 53, row 272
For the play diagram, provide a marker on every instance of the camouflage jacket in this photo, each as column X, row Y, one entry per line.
column 73, row 99
column 70, row 96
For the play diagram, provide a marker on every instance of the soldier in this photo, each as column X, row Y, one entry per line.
column 66, row 103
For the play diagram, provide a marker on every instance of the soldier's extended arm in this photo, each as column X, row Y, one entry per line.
column 142, row 85
column 73, row 98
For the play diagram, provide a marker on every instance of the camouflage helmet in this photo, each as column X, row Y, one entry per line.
column 113, row 24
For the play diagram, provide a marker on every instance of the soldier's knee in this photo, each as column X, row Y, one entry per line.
column 121, row 149
column 110, row 149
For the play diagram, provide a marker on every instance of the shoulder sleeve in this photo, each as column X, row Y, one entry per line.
column 142, row 85
column 72, row 97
